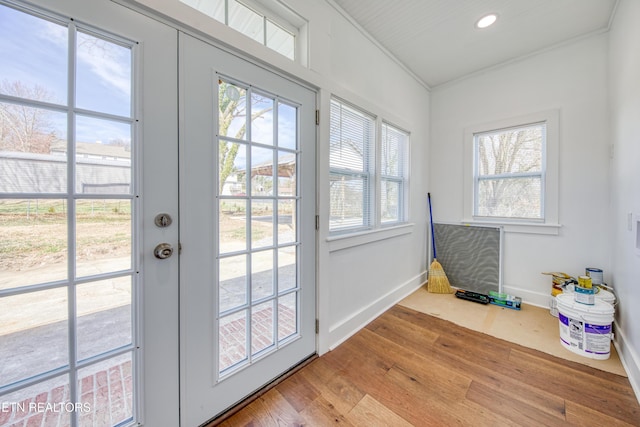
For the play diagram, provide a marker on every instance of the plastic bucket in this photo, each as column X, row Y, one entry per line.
column 585, row 329
column 601, row 294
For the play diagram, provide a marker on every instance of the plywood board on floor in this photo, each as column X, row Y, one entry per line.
column 532, row 326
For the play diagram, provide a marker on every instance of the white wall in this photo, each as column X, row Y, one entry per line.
column 571, row 78
column 624, row 79
column 356, row 283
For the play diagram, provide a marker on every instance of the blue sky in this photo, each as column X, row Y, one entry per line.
column 35, row 52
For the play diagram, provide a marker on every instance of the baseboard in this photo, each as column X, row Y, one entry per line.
column 343, row 330
column 629, row 358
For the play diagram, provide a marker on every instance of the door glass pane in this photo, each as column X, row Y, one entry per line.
column 103, row 236
column 262, row 321
column 261, row 171
column 33, row 248
column 232, row 109
column 261, row 223
column 26, row 43
column 232, row 339
column 233, row 225
column 287, row 125
column 104, row 316
column 232, row 285
column 103, row 76
column 103, row 156
column 286, row 221
column 287, row 275
column 286, row 173
column 287, row 315
column 33, row 150
column 33, row 334
column 25, row 407
column 261, row 119
column 106, row 390
column 261, row 274
column 232, row 170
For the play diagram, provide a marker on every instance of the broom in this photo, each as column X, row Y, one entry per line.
column 437, row 282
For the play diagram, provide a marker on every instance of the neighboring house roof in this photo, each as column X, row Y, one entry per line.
column 94, row 149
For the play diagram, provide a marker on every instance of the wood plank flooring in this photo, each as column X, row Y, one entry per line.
column 410, row 369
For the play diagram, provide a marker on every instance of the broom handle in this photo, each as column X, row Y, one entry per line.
column 433, row 237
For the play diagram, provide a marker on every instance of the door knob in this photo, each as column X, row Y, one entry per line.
column 163, row 251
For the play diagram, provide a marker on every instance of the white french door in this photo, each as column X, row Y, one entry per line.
column 247, row 208
column 88, row 157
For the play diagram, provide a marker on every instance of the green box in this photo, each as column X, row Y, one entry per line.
column 505, row 300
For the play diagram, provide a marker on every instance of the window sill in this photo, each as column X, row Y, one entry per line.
column 521, row 227
column 344, row 241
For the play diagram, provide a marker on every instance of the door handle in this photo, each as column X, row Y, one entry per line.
column 163, row 251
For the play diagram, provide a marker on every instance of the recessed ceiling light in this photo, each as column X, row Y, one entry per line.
column 486, row 20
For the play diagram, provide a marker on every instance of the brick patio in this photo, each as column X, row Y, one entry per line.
column 106, row 396
column 106, row 399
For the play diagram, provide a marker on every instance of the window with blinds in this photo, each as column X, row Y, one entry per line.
column 393, row 174
column 351, row 139
column 368, row 170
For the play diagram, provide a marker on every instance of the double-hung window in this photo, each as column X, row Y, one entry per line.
column 351, row 155
column 368, row 161
column 393, row 173
column 511, row 173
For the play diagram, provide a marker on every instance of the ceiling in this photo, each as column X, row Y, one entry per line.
column 437, row 40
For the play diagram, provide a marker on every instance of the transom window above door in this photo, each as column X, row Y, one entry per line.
column 267, row 22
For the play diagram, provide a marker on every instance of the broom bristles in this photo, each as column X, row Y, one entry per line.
column 437, row 282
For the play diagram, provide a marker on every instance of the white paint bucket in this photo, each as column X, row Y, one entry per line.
column 585, row 329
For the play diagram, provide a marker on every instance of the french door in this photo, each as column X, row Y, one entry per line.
column 247, row 208
column 88, row 122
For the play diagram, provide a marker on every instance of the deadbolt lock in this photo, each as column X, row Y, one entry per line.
column 163, row 220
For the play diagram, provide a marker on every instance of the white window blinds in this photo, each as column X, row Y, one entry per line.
column 352, row 138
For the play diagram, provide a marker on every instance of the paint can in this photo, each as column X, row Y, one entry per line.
column 596, row 274
column 553, row 304
column 585, row 282
column 585, row 329
column 584, row 295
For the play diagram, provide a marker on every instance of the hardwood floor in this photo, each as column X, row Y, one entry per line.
column 410, row 369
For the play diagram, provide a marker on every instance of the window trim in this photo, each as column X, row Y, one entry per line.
column 550, row 178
